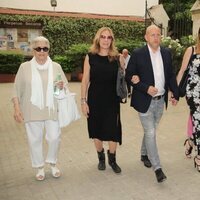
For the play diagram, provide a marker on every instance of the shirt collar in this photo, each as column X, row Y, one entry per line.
column 151, row 51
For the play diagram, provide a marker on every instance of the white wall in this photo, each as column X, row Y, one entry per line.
column 110, row 7
column 156, row 13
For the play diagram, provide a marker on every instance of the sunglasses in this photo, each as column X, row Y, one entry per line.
column 39, row 49
column 104, row 37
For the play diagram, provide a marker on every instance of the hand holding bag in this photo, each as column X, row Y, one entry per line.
column 67, row 108
column 121, row 86
column 183, row 83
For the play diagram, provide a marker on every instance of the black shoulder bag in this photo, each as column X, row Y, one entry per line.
column 183, row 83
column 121, row 86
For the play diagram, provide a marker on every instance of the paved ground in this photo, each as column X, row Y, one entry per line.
column 78, row 160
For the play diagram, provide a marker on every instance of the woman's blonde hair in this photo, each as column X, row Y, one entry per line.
column 95, row 48
column 40, row 39
column 198, row 42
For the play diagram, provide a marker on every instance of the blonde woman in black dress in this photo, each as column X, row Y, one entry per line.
column 99, row 101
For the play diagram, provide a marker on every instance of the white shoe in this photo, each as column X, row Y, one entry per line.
column 55, row 172
column 40, row 176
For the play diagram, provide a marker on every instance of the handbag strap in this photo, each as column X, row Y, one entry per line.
column 118, row 63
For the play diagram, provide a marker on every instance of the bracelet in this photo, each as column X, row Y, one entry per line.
column 83, row 101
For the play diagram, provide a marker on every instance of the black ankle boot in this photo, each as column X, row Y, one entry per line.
column 101, row 156
column 112, row 162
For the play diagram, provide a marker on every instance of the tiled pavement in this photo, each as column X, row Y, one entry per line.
column 78, row 161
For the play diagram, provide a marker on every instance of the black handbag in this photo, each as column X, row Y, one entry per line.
column 183, row 83
column 121, row 86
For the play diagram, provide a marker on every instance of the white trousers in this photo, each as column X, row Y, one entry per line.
column 35, row 132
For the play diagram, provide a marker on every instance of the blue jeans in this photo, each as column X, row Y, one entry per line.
column 149, row 121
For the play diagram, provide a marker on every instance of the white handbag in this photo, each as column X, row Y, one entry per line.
column 67, row 108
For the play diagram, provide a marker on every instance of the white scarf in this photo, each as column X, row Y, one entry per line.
column 37, row 97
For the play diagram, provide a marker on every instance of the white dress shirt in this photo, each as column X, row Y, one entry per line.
column 158, row 70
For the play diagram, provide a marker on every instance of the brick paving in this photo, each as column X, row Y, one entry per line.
column 78, row 161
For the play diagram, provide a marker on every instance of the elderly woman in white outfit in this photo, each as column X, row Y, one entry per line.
column 35, row 104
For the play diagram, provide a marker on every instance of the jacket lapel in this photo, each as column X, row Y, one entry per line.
column 164, row 60
column 148, row 60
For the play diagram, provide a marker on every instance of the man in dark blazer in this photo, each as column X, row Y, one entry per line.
column 150, row 72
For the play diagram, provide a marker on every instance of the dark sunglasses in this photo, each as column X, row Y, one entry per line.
column 39, row 49
column 108, row 37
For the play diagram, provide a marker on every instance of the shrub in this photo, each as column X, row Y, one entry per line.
column 10, row 62
column 176, row 49
column 76, row 55
column 187, row 41
column 64, row 32
column 64, row 62
column 129, row 44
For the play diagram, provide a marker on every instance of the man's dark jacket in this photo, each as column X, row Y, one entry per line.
column 140, row 64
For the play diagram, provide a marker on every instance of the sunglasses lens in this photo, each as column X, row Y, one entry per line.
column 45, row 49
column 39, row 49
column 104, row 37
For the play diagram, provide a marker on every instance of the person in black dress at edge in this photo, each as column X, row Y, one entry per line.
column 193, row 97
column 99, row 101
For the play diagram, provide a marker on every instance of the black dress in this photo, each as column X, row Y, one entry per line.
column 104, row 105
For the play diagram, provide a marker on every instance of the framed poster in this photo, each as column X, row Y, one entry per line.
column 22, row 35
column 3, row 42
column 33, row 33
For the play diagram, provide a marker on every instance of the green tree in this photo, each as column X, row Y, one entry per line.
column 179, row 13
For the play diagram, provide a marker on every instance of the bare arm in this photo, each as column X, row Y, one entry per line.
column 122, row 61
column 84, row 86
column 185, row 62
column 18, row 116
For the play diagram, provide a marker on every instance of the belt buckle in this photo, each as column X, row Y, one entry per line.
column 157, row 97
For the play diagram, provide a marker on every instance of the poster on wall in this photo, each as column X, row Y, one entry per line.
column 25, row 47
column 22, row 40
column 2, row 32
column 18, row 39
column 33, row 33
column 22, row 35
column 3, row 39
column 3, row 42
column 8, row 38
column 11, row 34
